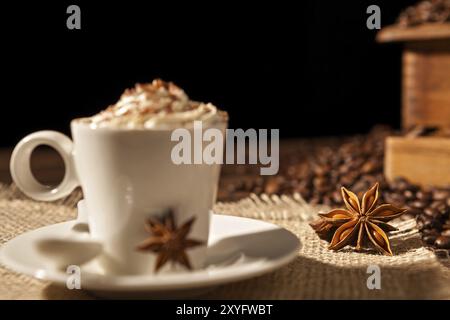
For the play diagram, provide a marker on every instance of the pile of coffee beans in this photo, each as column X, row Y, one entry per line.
column 434, row 11
column 357, row 164
column 433, row 217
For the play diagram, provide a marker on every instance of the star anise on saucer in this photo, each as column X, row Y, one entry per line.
column 168, row 241
column 359, row 222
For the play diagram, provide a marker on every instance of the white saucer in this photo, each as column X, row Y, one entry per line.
column 239, row 248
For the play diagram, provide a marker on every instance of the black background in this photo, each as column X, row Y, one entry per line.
column 308, row 68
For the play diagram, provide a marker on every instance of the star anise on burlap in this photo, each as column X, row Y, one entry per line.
column 168, row 241
column 359, row 222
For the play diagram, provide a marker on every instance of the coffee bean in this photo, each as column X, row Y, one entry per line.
column 441, row 194
column 259, row 181
column 429, row 239
column 407, row 216
column 418, row 204
column 435, row 204
column 442, row 254
column 433, row 213
column 436, row 224
column 400, row 184
column 321, row 170
column 414, row 212
column 424, row 196
column 442, row 208
column 446, row 233
column 346, row 181
column 343, row 169
column 291, row 171
column 327, row 201
column 409, row 195
column 423, row 218
column 370, row 166
column 272, row 186
column 319, row 182
column 396, row 199
column 248, row 184
column 442, row 242
column 421, row 225
column 431, row 232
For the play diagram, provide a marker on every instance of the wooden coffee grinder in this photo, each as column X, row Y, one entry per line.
column 425, row 102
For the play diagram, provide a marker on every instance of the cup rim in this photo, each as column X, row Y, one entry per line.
column 83, row 123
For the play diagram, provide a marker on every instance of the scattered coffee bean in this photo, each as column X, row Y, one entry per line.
column 413, row 211
column 441, row 195
column 408, row 194
column 442, row 242
column 424, row 195
column 436, row 204
column 429, row 239
column 272, row 186
column 433, row 213
column 418, row 204
column 430, row 232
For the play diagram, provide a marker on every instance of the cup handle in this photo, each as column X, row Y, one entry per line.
column 21, row 169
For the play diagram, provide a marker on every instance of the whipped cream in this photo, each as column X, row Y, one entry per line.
column 158, row 104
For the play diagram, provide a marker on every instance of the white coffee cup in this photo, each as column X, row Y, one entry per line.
column 127, row 176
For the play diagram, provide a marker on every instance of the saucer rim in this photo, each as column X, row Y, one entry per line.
column 143, row 283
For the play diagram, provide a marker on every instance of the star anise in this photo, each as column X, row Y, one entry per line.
column 168, row 241
column 359, row 222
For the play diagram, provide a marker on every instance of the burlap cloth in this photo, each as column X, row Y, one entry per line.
column 317, row 273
